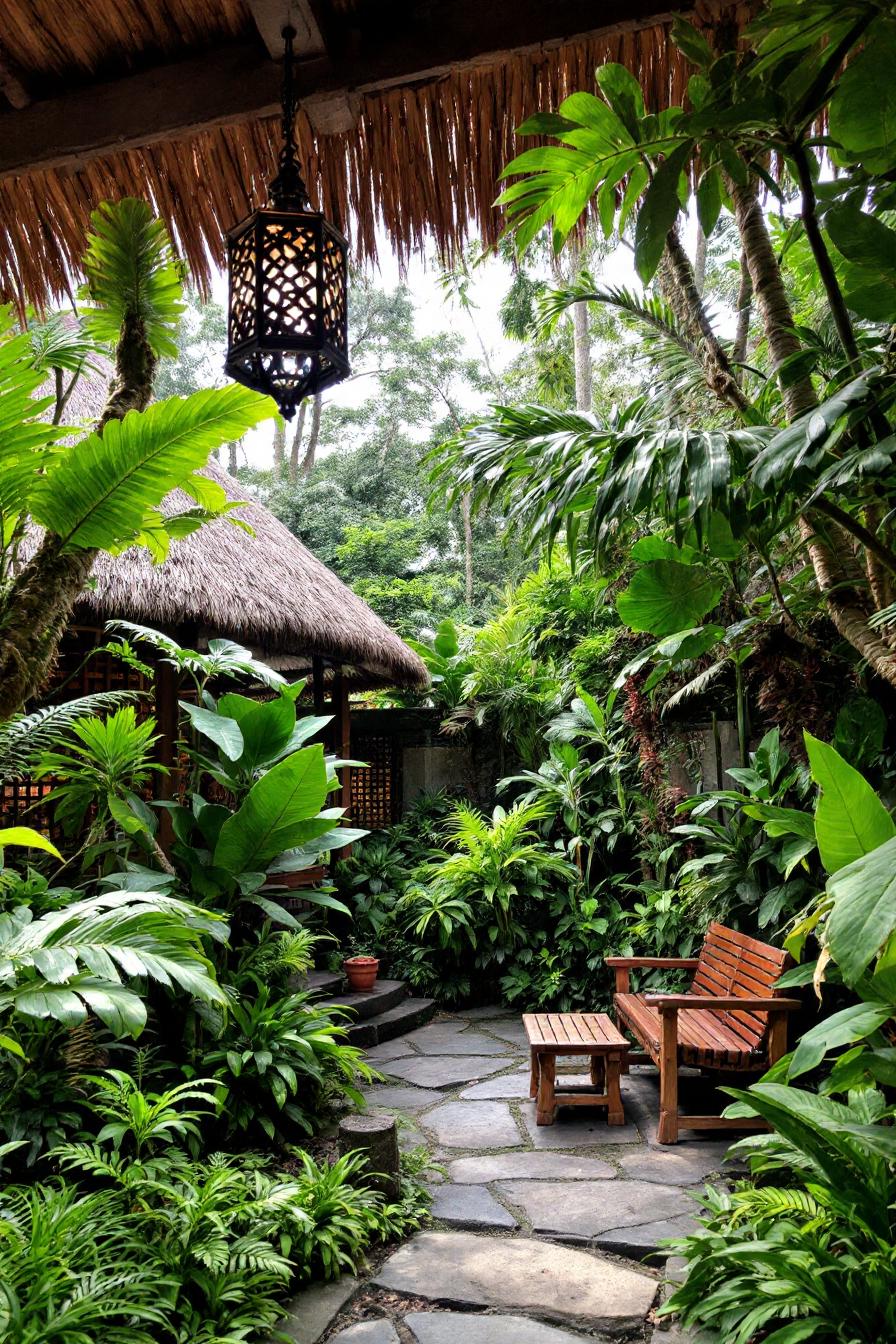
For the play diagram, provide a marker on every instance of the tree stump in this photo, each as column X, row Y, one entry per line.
column 376, row 1136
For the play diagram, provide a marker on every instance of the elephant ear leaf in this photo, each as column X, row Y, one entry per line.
column 666, row 596
column 850, row 819
column 280, row 811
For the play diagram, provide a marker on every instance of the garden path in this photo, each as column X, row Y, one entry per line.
column 540, row 1235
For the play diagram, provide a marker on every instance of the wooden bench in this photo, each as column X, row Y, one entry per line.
column 732, row 1019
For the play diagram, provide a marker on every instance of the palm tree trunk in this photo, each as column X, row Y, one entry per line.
column 296, row 446
column 38, row 603
column 313, row 438
column 744, row 309
column 231, row 457
column 279, row 448
column 836, row 572
column 581, row 342
column 467, row 511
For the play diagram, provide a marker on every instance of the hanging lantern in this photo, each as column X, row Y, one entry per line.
column 287, row 327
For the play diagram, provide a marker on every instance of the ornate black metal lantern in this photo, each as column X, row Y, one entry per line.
column 287, row 331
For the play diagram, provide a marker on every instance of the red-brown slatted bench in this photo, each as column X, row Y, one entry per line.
column 732, row 1019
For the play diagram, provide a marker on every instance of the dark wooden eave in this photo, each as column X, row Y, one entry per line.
column 414, row 43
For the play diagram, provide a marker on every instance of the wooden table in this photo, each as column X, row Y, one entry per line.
column 591, row 1034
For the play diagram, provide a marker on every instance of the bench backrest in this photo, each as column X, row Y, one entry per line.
column 730, row 964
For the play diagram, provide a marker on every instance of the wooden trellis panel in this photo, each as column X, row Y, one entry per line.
column 376, row 791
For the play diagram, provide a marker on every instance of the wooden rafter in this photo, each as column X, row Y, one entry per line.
column 240, row 83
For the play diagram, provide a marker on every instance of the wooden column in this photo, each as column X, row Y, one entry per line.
column 342, row 735
column 317, row 683
column 165, row 685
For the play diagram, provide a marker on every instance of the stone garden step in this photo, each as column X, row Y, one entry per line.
column 385, row 994
column 394, row 1022
column 320, row 984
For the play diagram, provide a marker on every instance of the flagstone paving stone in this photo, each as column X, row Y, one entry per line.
column 584, row 1209
column 311, row 1312
column 688, row 1165
column 513, row 1086
column 474, row 1124
column 398, row 1098
column 442, row 1071
column 463, row 1327
column 554, row 1283
column 512, row 1031
column 572, row 1129
column 444, row 1038
column 367, row 1332
column 471, row 1206
column 530, row 1167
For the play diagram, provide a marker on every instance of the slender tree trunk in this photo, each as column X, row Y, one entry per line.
column 279, row 447
column 231, row 457
column 700, row 262
column 744, row 309
column 467, row 511
column 833, row 560
column 296, row 446
column 581, row 340
column 313, row 438
column 38, row 603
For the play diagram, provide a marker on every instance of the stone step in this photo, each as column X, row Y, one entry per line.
column 394, row 1022
column 385, row 994
column 319, row 984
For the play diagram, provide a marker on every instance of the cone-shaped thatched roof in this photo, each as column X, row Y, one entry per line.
column 267, row 591
column 408, row 112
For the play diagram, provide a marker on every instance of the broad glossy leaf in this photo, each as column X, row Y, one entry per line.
column 27, row 838
column 709, row 200
column 659, row 211
column 623, row 92
column 266, row 729
column 665, row 597
column 862, row 113
column 855, row 1023
column 278, row 813
column 862, row 238
column 850, row 819
column 863, row 915
column 224, row 732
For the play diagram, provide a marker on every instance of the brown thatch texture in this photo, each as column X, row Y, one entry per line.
column 423, row 160
column 267, row 591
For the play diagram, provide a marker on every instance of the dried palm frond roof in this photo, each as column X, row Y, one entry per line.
column 267, row 591
column 408, row 114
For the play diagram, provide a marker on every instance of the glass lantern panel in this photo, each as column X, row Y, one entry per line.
column 242, row 315
column 289, row 288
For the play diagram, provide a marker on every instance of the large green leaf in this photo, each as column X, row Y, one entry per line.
column 279, row 812
column 665, row 597
column 27, row 838
column 862, row 114
column 863, row 915
column 854, row 1023
column 223, row 731
column 850, row 819
column 266, row 729
column 98, row 493
column 659, row 211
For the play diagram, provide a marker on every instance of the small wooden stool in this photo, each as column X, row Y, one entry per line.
column 592, row 1034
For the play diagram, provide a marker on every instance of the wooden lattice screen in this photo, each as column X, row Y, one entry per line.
column 376, row 791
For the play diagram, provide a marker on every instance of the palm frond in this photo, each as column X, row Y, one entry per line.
column 25, row 737
column 696, row 686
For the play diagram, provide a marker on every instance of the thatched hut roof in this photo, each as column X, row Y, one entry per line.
column 267, row 591
column 408, row 113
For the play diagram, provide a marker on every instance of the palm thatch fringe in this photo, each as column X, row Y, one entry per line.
column 423, row 161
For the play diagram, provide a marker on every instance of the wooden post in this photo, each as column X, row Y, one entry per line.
column 533, row 1074
column 667, row 1131
column 317, row 683
column 777, row 1036
column 615, row 1109
column 165, row 682
column 343, row 735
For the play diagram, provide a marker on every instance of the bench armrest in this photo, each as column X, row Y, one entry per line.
column 622, row 965
column 731, row 1002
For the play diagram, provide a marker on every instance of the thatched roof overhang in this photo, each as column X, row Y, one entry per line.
column 408, row 113
column 266, row 590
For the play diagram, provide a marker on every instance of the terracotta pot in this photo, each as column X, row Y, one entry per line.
column 361, row 972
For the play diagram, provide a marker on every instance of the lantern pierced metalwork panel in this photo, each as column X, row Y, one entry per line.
column 288, row 267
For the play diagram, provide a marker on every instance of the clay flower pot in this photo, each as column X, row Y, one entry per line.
column 361, row 972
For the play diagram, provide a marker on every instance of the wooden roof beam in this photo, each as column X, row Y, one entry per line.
column 238, row 83
column 272, row 16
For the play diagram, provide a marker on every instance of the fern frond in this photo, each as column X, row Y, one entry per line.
column 24, row 737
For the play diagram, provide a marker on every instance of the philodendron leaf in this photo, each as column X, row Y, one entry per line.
column 863, row 108
column 863, row 914
column 850, row 819
column 224, row 732
column 666, row 596
column 279, row 812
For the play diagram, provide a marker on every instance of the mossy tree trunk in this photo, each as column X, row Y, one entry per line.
column 36, row 607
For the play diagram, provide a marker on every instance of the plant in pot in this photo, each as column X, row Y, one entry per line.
column 361, row 971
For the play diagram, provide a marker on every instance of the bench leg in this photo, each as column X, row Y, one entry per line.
column 667, row 1131
column 615, row 1113
column 544, row 1106
column 598, row 1072
column 533, row 1074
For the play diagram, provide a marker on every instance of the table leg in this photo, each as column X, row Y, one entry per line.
column 545, row 1105
column 533, row 1074
column 615, row 1112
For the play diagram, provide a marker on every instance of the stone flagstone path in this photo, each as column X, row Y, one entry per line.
column 544, row 1235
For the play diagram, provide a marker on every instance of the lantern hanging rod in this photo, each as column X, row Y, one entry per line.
column 288, row 190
